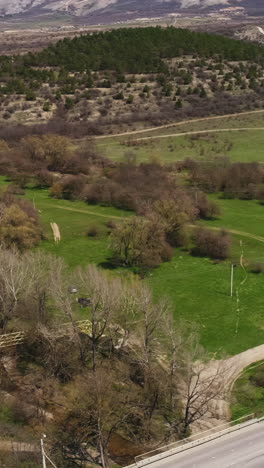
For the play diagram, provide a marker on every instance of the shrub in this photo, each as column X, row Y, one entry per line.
column 130, row 99
column 257, row 267
column 44, row 179
column 119, row 96
column 110, row 224
column 56, row 190
column 46, row 106
column 215, row 245
column 18, row 228
column 258, row 378
column 93, row 231
column 207, row 208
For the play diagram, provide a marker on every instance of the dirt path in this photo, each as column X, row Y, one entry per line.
column 176, row 124
column 87, row 212
column 233, row 367
column 231, row 231
column 199, row 132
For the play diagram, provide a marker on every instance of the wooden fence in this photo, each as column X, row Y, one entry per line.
column 17, row 338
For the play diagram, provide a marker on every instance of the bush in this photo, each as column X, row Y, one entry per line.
column 44, row 179
column 119, row 96
column 46, row 106
column 110, row 224
column 258, row 378
column 207, row 208
column 257, row 268
column 69, row 188
column 93, row 231
column 215, row 245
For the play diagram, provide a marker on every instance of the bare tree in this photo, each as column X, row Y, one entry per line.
column 104, row 294
column 16, row 278
column 201, row 382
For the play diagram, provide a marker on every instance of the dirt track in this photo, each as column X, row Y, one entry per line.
column 232, row 231
column 199, row 132
column 234, row 366
column 88, row 212
column 176, row 124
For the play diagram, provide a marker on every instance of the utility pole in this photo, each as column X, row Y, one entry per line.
column 232, row 279
column 43, row 451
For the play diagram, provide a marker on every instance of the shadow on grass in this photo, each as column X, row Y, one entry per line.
column 109, row 265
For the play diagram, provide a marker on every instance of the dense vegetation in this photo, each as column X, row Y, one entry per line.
column 140, row 50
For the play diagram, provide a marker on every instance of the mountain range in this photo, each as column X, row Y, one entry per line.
column 120, row 10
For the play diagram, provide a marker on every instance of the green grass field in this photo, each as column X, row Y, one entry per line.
column 247, row 397
column 242, row 145
column 74, row 219
column 198, row 289
column 246, row 216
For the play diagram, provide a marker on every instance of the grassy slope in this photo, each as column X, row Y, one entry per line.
column 246, row 216
column 197, row 288
column 246, row 145
column 200, row 291
column 76, row 247
column 247, row 398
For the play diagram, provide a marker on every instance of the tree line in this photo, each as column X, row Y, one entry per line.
column 139, row 50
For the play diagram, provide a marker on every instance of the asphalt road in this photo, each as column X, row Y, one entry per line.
column 240, row 449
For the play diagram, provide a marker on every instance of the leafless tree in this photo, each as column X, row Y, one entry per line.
column 201, row 381
column 104, row 294
column 16, row 278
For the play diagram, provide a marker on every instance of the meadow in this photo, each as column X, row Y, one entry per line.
column 198, row 289
column 248, row 392
column 237, row 144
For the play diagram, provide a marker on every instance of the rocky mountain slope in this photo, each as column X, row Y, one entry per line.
column 129, row 9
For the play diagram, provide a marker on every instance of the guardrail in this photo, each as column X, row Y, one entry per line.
column 197, row 439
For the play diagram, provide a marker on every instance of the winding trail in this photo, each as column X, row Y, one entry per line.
column 101, row 215
column 177, row 124
column 199, row 132
column 231, row 231
column 214, row 228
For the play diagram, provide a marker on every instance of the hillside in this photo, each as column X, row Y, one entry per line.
column 106, row 11
column 106, row 82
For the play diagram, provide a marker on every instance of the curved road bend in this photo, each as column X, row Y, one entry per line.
column 240, row 449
